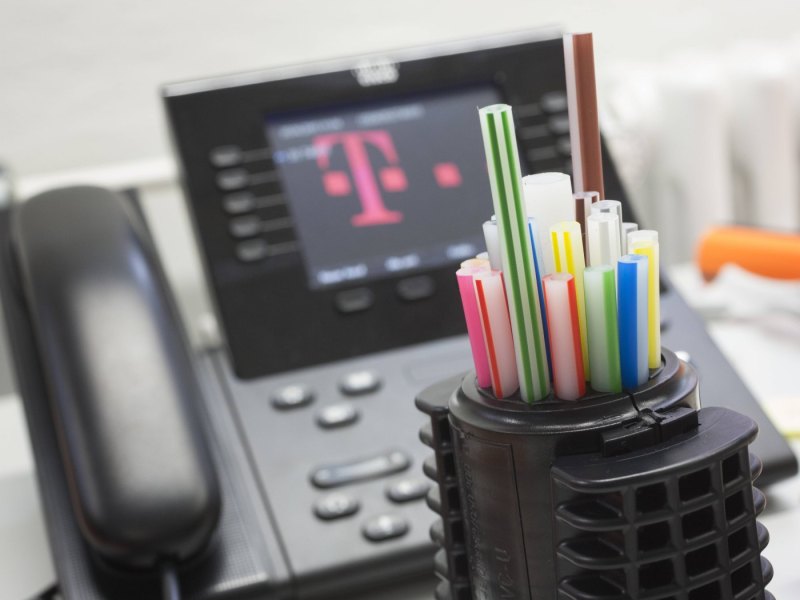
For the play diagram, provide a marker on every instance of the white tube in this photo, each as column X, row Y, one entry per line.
column 627, row 229
column 492, row 237
column 548, row 199
column 614, row 207
column 641, row 235
column 603, row 238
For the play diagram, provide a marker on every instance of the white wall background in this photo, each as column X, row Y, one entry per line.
column 79, row 78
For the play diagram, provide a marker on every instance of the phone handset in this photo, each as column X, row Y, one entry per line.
column 122, row 389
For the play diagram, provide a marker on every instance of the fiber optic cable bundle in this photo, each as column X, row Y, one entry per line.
column 576, row 461
column 541, row 227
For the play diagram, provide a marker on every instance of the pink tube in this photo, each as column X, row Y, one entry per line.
column 474, row 330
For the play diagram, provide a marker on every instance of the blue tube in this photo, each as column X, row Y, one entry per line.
column 632, row 319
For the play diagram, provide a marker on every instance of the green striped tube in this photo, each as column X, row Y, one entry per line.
column 500, row 144
column 601, row 328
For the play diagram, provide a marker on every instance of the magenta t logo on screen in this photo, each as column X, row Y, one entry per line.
column 368, row 181
column 385, row 188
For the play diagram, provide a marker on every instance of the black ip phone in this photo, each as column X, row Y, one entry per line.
column 330, row 204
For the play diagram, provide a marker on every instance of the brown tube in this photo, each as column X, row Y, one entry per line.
column 582, row 102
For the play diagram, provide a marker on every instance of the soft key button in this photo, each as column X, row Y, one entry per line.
column 237, row 203
column 232, row 179
column 252, row 250
column 355, row 300
column 246, row 226
column 225, row 156
column 416, row 288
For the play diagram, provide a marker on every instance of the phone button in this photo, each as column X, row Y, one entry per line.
column 416, row 288
column 385, row 527
column 225, row 156
column 355, row 300
column 407, row 490
column 292, row 396
column 232, row 179
column 238, row 203
column 559, row 124
column 336, row 506
column 337, row 415
column 245, row 226
column 369, row 468
column 555, row 101
column 359, row 382
column 252, row 250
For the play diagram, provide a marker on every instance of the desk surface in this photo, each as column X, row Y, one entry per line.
column 26, row 566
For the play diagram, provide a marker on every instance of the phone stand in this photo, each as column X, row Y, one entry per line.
column 640, row 495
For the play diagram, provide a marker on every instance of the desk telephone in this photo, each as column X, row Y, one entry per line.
column 330, row 204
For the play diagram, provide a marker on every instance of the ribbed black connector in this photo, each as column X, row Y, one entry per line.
column 632, row 496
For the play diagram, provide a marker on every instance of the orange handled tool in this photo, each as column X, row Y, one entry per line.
column 762, row 252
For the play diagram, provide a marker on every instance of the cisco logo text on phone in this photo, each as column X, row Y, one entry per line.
column 377, row 71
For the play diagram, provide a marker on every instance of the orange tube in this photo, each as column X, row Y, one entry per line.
column 762, row 252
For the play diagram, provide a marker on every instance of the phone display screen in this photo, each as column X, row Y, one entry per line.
column 385, row 188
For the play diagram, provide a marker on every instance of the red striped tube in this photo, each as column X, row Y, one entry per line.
column 496, row 325
column 565, row 337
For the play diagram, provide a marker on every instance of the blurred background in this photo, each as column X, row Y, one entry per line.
column 700, row 105
column 700, row 102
